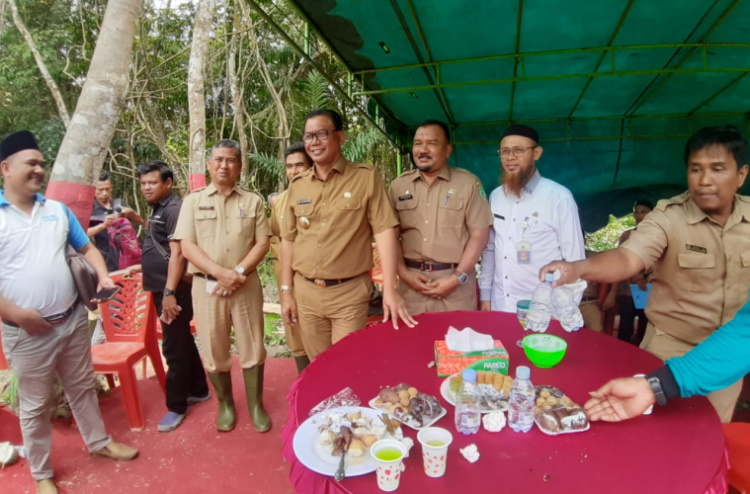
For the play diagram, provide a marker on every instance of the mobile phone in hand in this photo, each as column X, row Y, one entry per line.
column 106, row 293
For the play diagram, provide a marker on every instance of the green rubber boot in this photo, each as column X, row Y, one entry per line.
column 254, row 391
column 302, row 362
column 227, row 418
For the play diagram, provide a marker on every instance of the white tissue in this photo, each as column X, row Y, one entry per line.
column 409, row 443
column 468, row 340
column 493, row 421
column 470, row 452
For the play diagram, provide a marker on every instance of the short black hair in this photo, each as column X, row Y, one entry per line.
column 728, row 136
column 165, row 172
column 229, row 143
column 103, row 176
column 645, row 203
column 298, row 147
column 439, row 123
column 338, row 123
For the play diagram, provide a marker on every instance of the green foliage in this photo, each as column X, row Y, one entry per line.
column 609, row 236
column 273, row 330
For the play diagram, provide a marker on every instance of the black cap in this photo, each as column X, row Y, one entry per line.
column 522, row 130
column 19, row 141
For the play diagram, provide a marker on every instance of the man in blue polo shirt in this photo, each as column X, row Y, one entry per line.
column 45, row 327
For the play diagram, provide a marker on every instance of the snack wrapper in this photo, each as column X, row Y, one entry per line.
column 344, row 398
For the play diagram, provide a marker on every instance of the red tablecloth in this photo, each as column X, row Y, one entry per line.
column 678, row 449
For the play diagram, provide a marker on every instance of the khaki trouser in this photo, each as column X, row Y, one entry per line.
column 291, row 332
column 592, row 315
column 464, row 297
column 666, row 346
column 64, row 352
column 215, row 316
column 327, row 314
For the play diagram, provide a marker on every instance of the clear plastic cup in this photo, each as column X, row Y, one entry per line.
column 389, row 455
column 435, row 442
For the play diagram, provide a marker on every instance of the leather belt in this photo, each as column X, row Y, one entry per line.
column 54, row 319
column 205, row 276
column 325, row 283
column 589, row 299
column 429, row 266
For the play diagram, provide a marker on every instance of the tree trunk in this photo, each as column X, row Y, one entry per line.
column 196, row 92
column 236, row 91
column 51, row 84
column 90, row 132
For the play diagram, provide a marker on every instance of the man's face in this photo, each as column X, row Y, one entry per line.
column 323, row 151
column 153, row 188
column 713, row 179
column 518, row 170
column 296, row 163
column 103, row 191
column 24, row 172
column 430, row 149
column 640, row 212
column 224, row 166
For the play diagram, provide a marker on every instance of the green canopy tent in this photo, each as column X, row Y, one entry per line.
column 614, row 87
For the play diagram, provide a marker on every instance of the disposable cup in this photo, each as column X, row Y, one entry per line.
column 435, row 442
column 389, row 455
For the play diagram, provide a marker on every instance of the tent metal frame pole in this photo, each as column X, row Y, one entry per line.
column 584, row 138
column 516, row 60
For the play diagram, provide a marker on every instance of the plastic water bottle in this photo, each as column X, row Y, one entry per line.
column 566, row 310
column 521, row 405
column 540, row 310
column 468, row 417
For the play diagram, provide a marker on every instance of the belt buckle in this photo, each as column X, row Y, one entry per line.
column 320, row 283
column 427, row 267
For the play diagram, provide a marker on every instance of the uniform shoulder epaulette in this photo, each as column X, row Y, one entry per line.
column 197, row 190
column 369, row 166
column 663, row 204
column 409, row 172
column 743, row 198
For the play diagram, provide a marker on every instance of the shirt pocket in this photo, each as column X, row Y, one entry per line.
column 407, row 214
column 303, row 211
column 696, row 272
column 246, row 221
column 205, row 223
column 451, row 215
column 348, row 210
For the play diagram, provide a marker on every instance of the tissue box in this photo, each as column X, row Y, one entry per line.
column 449, row 362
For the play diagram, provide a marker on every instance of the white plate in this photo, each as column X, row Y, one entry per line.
column 310, row 452
column 450, row 396
column 373, row 404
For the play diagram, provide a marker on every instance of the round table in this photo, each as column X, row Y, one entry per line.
column 677, row 449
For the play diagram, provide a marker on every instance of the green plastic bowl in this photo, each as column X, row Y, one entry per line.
column 544, row 350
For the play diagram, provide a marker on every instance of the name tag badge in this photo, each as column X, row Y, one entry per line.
column 695, row 248
column 304, row 201
column 523, row 252
column 499, row 216
column 211, row 286
column 406, row 197
column 205, row 208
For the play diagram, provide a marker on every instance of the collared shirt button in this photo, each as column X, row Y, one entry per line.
column 425, row 239
column 426, row 221
column 428, row 204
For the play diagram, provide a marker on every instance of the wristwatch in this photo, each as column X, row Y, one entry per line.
column 239, row 269
column 655, row 384
column 462, row 277
column 167, row 292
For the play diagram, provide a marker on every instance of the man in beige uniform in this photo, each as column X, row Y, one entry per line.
column 445, row 222
column 224, row 234
column 699, row 244
column 333, row 210
column 297, row 161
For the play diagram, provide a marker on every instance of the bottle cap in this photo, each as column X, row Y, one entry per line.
column 469, row 375
column 549, row 277
column 522, row 372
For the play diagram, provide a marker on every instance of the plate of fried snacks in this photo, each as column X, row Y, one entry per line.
column 494, row 389
column 407, row 405
column 555, row 413
column 320, row 440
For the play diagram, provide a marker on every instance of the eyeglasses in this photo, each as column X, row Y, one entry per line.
column 517, row 152
column 321, row 135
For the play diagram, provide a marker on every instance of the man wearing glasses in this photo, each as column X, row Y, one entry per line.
column 535, row 221
column 332, row 212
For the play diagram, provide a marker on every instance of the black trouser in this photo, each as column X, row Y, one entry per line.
column 185, row 374
column 628, row 312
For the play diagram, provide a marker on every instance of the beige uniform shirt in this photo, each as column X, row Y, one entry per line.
column 436, row 220
column 701, row 269
column 332, row 223
column 226, row 228
column 276, row 218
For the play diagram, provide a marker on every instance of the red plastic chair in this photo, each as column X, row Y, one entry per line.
column 738, row 444
column 129, row 322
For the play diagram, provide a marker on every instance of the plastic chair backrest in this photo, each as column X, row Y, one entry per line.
column 129, row 315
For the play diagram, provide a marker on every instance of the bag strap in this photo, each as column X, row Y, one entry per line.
column 164, row 253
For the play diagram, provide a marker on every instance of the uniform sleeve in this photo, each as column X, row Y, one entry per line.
column 380, row 213
column 717, row 362
column 172, row 214
column 262, row 226
column 185, row 229
column 650, row 239
column 76, row 236
column 478, row 214
column 288, row 223
column 488, row 269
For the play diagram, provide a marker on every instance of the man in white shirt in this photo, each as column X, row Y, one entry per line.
column 44, row 324
column 535, row 220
